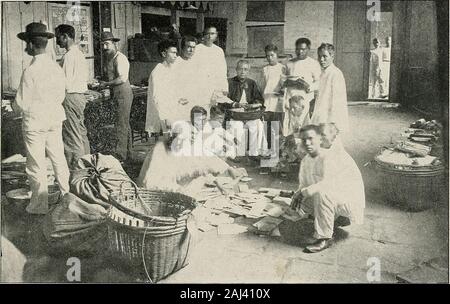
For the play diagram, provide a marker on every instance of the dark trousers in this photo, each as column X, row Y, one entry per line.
column 270, row 117
column 74, row 133
column 123, row 97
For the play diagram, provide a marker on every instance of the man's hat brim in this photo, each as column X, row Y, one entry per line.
column 111, row 39
column 25, row 35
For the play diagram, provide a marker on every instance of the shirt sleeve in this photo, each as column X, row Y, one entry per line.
column 24, row 93
column 257, row 96
column 339, row 111
column 123, row 67
column 316, row 71
column 69, row 70
column 222, row 72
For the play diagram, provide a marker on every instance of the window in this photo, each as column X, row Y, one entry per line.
column 265, row 11
column 260, row 36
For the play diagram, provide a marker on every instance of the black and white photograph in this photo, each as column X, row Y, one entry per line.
column 224, row 142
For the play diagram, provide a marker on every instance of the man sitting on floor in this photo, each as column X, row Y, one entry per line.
column 330, row 187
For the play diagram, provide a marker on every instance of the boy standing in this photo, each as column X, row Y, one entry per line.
column 273, row 74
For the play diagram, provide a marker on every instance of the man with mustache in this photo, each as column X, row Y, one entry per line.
column 116, row 72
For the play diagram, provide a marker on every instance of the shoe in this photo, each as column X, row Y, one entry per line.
column 341, row 221
column 310, row 241
column 318, row 246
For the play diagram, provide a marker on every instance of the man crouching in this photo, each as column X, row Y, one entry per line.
column 330, row 188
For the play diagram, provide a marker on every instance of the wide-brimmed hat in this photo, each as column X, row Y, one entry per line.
column 35, row 29
column 108, row 36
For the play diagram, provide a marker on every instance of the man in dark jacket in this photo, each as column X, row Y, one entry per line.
column 244, row 92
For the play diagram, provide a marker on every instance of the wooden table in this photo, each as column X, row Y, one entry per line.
column 99, row 114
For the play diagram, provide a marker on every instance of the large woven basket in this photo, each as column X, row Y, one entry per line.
column 244, row 116
column 416, row 187
column 148, row 229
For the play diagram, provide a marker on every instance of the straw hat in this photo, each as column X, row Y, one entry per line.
column 35, row 29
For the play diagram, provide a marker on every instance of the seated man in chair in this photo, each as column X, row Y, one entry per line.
column 245, row 93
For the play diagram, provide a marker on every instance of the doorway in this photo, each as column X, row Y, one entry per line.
column 380, row 55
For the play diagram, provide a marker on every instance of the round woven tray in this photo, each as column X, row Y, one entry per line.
column 416, row 187
column 244, row 116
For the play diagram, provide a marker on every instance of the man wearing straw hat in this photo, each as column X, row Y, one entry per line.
column 116, row 72
column 39, row 99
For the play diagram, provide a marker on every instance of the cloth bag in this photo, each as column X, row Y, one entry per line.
column 74, row 225
column 96, row 176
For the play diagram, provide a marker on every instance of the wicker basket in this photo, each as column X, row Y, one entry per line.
column 149, row 228
column 416, row 187
column 244, row 116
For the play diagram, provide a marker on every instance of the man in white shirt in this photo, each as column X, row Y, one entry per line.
column 163, row 99
column 303, row 74
column 39, row 98
column 76, row 143
column 331, row 102
column 188, row 78
column 375, row 77
column 386, row 65
column 330, row 189
column 212, row 67
column 116, row 70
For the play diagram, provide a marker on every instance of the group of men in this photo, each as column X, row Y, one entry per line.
column 51, row 101
column 198, row 78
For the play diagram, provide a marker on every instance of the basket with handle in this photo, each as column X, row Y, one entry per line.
column 149, row 228
column 417, row 187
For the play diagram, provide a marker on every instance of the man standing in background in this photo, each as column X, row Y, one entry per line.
column 116, row 72
column 76, row 143
column 187, row 73
column 163, row 101
column 303, row 74
column 331, row 103
column 212, row 66
column 386, row 66
column 375, row 77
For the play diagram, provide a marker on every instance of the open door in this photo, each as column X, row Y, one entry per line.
column 351, row 38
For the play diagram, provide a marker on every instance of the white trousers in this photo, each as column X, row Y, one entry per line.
column 38, row 143
column 256, row 136
column 325, row 210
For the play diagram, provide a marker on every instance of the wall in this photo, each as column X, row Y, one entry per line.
column 422, row 55
column 14, row 58
column 311, row 19
column 415, row 59
column 125, row 22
